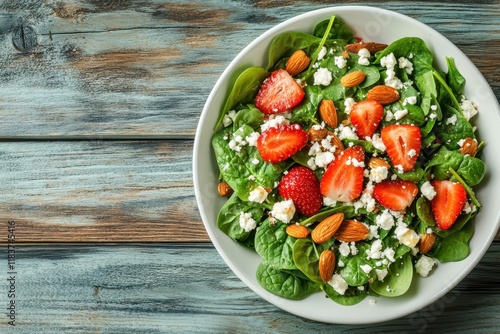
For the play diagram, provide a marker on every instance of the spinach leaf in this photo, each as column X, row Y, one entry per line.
column 228, row 219
column 275, row 245
column 424, row 212
column 453, row 128
column 339, row 30
column 352, row 272
column 414, row 175
column 455, row 80
column 398, row 280
column 335, row 91
column 237, row 168
column 461, row 221
column 285, row 44
column 306, row 259
column 244, row 89
column 352, row 295
column 284, row 284
column 347, row 210
column 404, row 47
column 454, row 247
column 248, row 116
column 305, row 112
column 471, row 169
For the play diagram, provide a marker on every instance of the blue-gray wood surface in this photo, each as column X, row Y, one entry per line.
column 96, row 131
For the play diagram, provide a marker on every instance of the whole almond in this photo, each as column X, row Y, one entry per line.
column 328, row 113
column 352, row 230
column 378, row 162
column 370, row 46
column 335, row 141
column 297, row 231
column 327, row 261
column 224, row 189
column 327, row 228
column 469, row 147
column 297, row 62
column 383, row 94
column 427, row 242
column 352, row 79
column 317, row 135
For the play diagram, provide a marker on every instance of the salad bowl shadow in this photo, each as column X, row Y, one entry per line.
column 383, row 26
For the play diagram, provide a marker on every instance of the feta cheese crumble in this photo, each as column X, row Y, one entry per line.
column 338, row 284
column 424, row 265
column 364, row 57
column 340, row 61
column 322, row 77
column 428, row 190
column 247, row 222
column 283, row 211
column 259, row 195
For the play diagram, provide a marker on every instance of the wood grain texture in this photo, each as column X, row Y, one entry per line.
column 100, row 191
column 144, row 68
column 187, row 288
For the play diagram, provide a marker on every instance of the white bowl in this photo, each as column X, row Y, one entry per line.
column 372, row 24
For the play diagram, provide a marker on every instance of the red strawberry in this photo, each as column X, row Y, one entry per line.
column 302, row 186
column 278, row 144
column 278, row 93
column 366, row 116
column 403, row 144
column 343, row 179
column 395, row 195
column 448, row 203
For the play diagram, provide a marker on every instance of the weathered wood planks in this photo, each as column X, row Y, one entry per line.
column 99, row 191
column 187, row 288
column 124, row 69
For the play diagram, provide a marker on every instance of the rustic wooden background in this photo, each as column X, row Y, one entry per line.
column 97, row 122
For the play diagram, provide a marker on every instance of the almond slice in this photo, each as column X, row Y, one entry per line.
column 327, row 228
column 352, row 79
column 370, row 46
column 352, row 231
column 328, row 113
column 383, row 94
column 427, row 242
column 327, row 261
column 297, row 231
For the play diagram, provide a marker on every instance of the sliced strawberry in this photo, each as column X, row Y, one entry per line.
column 395, row 195
column 343, row 179
column 278, row 144
column 301, row 185
column 278, row 93
column 366, row 116
column 403, row 144
column 448, row 203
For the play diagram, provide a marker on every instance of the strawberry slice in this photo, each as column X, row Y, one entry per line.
column 366, row 116
column 403, row 145
column 448, row 203
column 395, row 195
column 343, row 179
column 301, row 185
column 280, row 143
column 278, row 93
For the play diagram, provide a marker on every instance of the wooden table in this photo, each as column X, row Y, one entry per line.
column 97, row 124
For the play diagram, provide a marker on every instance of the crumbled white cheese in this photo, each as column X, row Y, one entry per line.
column 424, row 265
column 340, row 61
column 354, row 250
column 247, row 222
column 400, row 114
column 389, row 116
column 388, row 61
column 375, row 251
column 378, row 174
column 405, row 64
column 434, row 107
column 389, row 254
column 283, row 210
column 412, row 153
column 409, row 238
column 349, row 103
column 410, row 100
column 469, row 110
column 452, row 120
column 259, row 195
column 345, row 132
column 327, row 201
column 321, row 53
column 323, row 159
column 338, row 284
column 344, row 249
column 385, row 220
column 366, row 268
column 252, row 138
column 377, row 142
column 322, row 77
column 255, row 161
column 274, row 121
column 381, row 274
column 428, row 190
column 364, row 57
column 229, row 118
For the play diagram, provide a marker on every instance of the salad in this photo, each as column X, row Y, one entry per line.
column 349, row 166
